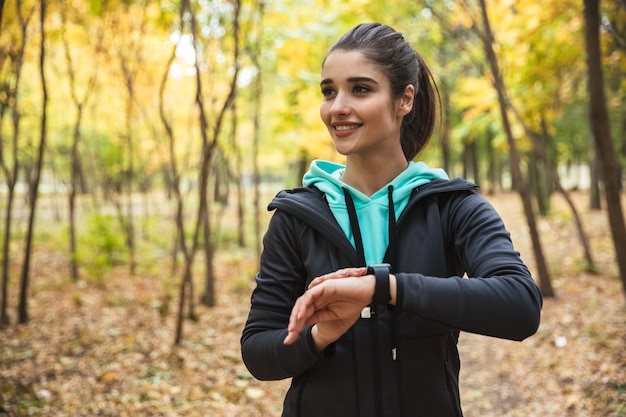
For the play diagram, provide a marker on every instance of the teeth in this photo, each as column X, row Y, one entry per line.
column 346, row 127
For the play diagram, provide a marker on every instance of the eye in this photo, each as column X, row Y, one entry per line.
column 360, row 89
column 328, row 92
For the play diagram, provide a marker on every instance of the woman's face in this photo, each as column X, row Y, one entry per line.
column 358, row 109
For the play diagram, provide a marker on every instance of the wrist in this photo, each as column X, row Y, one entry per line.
column 319, row 340
column 393, row 289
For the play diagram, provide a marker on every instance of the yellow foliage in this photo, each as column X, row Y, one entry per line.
column 476, row 95
column 539, row 45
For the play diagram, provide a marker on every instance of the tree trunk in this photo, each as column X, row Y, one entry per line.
column 208, row 149
column 622, row 146
column 129, row 178
column 130, row 63
column 238, row 177
column 254, row 52
column 171, row 172
column 542, row 167
column 4, row 316
column 72, row 198
column 34, row 184
column 470, row 162
column 1, row 11
column 208, row 298
column 444, row 142
column 553, row 176
column 492, row 170
column 536, row 176
column 601, row 131
column 521, row 186
column 595, row 200
column 256, row 175
column 76, row 175
column 11, row 86
column 181, row 242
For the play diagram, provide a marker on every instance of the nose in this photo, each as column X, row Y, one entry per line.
column 340, row 105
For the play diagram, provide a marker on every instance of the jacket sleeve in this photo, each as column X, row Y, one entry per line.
column 279, row 282
column 499, row 299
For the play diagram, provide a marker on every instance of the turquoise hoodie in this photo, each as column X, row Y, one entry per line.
column 373, row 211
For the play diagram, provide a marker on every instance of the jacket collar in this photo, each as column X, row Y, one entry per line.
column 309, row 205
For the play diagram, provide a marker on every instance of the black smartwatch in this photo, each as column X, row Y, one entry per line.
column 382, row 293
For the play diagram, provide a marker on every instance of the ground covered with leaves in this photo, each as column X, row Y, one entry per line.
column 105, row 348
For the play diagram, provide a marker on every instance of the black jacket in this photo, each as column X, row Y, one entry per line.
column 404, row 360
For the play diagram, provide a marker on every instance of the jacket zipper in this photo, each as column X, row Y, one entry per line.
column 378, row 386
column 448, row 382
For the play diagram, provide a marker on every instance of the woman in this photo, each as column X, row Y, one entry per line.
column 360, row 296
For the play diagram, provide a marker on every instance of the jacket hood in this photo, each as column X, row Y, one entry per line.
column 374, row 212
column 328, row 209
column 326, row 176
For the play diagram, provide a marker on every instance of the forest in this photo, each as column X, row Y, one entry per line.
column 141, row 141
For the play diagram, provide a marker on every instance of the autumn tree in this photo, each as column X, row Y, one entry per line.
column 128, row 51
column 80, row 96
column 1, row 11
column 254, row 49
column 613, row 23
column 601, row 132
column 33, row 182
column 210, row 130
column 11, row 65
column 520, row 183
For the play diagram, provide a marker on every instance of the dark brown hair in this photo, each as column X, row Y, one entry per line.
column 403, row 65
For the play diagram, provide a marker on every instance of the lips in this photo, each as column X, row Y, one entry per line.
column 346, row 127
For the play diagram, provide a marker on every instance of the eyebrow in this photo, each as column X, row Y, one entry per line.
column 352, row 80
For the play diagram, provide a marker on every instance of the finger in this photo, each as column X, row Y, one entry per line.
column 340, row 273
column 317, row 281
column 294, row 332
column 353, row 272
column 291, row 338
column 300, row 314
column 296, row 326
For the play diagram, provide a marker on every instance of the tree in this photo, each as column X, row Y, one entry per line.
column 521, row 185
column 209, row 144
column 254, row 50
column 1, row 12
column 129, row 54
column 613, row 22
column 13, row 60
column 210, row 134
column 33, row 184
column 550, row 171
column 80, row 101
column 601, row 132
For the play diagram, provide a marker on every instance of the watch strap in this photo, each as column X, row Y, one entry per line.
column 382, row 293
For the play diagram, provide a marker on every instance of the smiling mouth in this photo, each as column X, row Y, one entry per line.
column 346, row 127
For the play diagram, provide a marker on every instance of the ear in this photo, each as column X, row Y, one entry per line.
column 406, row 101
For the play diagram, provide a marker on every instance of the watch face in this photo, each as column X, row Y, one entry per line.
column 372, row 268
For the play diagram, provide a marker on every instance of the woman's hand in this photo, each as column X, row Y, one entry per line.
column 333, row 302
column 340, row 273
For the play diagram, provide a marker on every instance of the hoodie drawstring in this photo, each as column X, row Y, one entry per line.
column 356, row 230
column 393, row 234
column 391, row 251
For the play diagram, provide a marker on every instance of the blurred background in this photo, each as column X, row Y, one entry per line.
column 141, row 141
